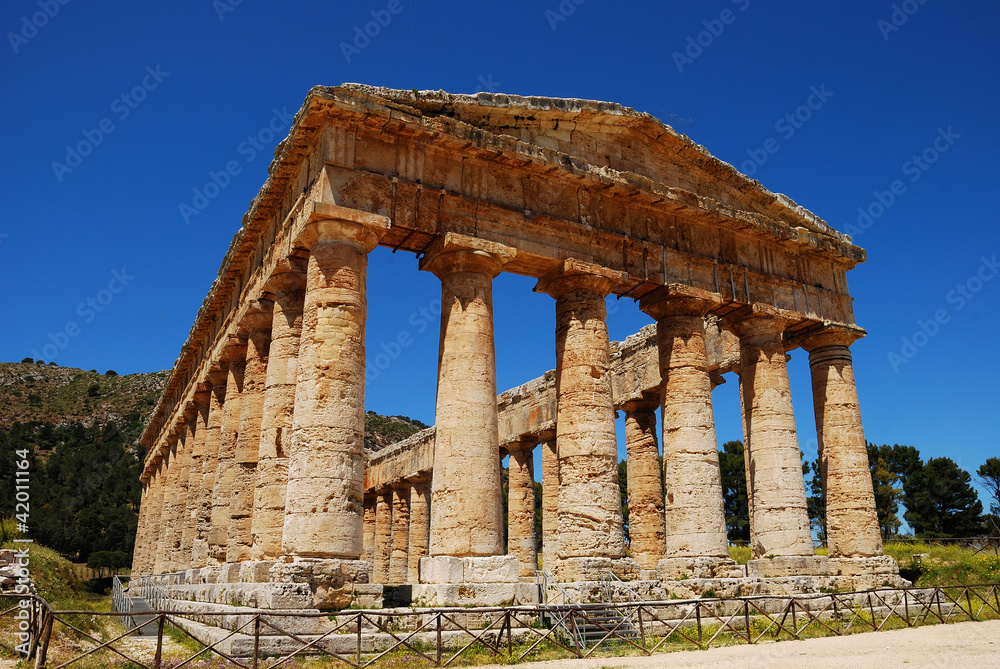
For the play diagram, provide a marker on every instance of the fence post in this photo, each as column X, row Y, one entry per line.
column 642, row 630
column 836, row 616
column 746, row 618
column 795, row 624
column 158, row 657
column 871, row 608
column 256, row 641
column 358, row 656
column 439, row 639
column 968, row 600
column 906, row 606
column 697, row 615
column 46, row 636
column 37, row 624
column 510, row 641
column 937, row 597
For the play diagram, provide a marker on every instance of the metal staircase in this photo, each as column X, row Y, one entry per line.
column 585, row 625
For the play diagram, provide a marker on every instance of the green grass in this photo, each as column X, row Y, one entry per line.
column 945, row 565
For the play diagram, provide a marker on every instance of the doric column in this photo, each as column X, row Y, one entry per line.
column 257, row 327
column 590, row 515
column 780, row 517
column 398, row 559
column 210, row 462
column 645, row 484
column 368, row 536
column 172, row 497
column 140, row 550
column 694, row 510
column 420, row 525
column 157, row 517
column 550, row 504
column 383, row 536
column 197, row 437
column 521, row 541
column 466, row 510
column 325, row 491
column 268, row 524
column 852, row 528
column 218, row 538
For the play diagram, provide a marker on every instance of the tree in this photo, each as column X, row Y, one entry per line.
column 940, row 501
column 816, row 501
column 734, row 491
column 623, row 493
column 891, row 467
column 28, row 361
column 989, row 476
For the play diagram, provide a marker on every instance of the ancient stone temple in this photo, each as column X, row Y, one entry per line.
column 256, row 471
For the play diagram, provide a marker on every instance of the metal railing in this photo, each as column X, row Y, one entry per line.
column 440, row 637
column 121, row 601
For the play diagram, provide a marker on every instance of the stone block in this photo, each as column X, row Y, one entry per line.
column 495, row 569
column 230, row 573
column 786, row 565
column 441, row 569
column 591, row 568
column 880, row 564
column 474, row 594
column 255, row 572
column 670, row 569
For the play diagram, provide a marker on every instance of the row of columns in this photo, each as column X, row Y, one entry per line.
column 267, row 461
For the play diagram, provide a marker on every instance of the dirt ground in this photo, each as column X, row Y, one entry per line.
column 965, row 645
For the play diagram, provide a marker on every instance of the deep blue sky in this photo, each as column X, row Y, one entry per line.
column 220, row 80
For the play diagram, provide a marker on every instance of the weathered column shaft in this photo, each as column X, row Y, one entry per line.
column 196, row 454
column 368, row 537
column 383, row 537
column 172, row 511
column 278, row 415
column 244, row 481
column 225, row 470
column 325, row 493
column 852, row 527
column 154, row 561
column 210, row 462
column 399, row 560
column 420, row 526
column 694, row 509
column 521, row 541
column 780, row 518
column 550, row 505
column 590, row 516
column 645, row 485
column 466, row 508
column 140, row 550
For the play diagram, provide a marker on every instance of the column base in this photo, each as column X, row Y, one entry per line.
column 789, row 565
column 473, row 594
column 335, row 584
column 863, row 566
column 674, row 569
column 454, row 570
column 591, row 568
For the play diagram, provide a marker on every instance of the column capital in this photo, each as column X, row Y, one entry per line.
column 235, row 351
column 758, row 322
column 258, row 316
column 640, row 404
column 677, row 299
column 332, row 223
column 286, row 279
column 460, row 253
column 574, row 275
column 524, row 443
column 828, row 334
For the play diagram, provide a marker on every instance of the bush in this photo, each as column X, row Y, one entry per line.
column 28, row 361
column 94, row 390
column 111, row 372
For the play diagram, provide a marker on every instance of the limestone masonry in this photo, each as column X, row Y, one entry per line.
column 256, row 472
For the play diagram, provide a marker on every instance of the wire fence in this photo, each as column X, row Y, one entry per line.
column 265, row 639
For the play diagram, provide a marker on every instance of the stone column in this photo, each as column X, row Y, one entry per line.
column 466, row 511
column 550, row 504
column 218, row 538
column 158, row 517
column 852, row 527
column 398, row 559
column 521, row 542
column 590, row 515
column 694, row 510
column 325, row 492
column 197, row 437
column 420, row 525
column 257, row 327
column 383, row 536
column 140, row 550
column 268, row 523
column 171, row 511
column 368, row 537
column 645, row 484
column 210, row 462
column 782, row 541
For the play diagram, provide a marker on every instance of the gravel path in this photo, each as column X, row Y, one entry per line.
column 965, row 645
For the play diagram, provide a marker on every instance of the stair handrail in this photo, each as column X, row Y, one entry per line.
column 120, row 600
column 560, row 623
column 611, row 586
